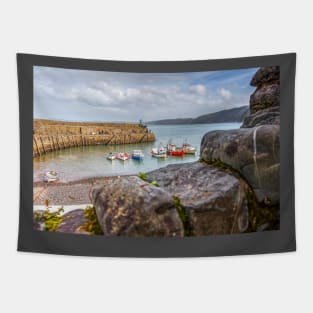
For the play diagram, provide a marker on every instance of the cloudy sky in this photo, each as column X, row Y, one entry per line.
column 78, row 95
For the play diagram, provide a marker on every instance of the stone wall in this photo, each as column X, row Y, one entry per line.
column 53, row 135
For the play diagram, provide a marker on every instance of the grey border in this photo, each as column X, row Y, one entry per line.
column 282, row 240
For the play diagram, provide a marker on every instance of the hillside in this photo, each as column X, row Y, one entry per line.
column 224, row 116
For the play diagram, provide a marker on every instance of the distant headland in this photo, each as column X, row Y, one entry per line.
column 225, row 116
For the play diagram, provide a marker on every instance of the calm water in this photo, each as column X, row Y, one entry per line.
column 83, row 162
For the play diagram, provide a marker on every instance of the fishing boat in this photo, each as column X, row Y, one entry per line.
column 111, row 156
column 172, row 150
column 159, row 152
column 189, row 149
column 123, row 156
column 51, row 176
column 137, row 155
column 177, row 153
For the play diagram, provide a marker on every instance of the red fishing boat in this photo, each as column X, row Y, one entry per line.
column 177, row 153
column 172, row 150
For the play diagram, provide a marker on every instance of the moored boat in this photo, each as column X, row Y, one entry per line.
column 159, row 152
column 111, row 156
column 137, row 155
column 123, row 156
column 189, row 149
column 177, row 153
column 172, row 150
column 51, row 176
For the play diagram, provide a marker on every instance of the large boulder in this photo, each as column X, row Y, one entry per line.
column 265, row 75
column 265, row 97
column 269, row 116
column 73, row 222
column 212, row 201
column 265, row 100
column 128, row 206
column 253, row 152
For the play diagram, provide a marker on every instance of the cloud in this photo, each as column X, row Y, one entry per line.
column 110, row 96
column 199, row 89
column 226, row 94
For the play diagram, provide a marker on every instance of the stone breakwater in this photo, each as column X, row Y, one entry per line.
column 51, row 135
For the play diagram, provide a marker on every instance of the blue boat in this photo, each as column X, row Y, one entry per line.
column 137, row 155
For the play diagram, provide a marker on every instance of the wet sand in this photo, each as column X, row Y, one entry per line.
column 67, row 193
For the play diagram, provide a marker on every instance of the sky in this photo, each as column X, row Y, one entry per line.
column 81, row 95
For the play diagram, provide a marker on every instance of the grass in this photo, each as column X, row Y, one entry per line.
column 92, row 226
column 183, row 215
column 142, row 176
column 51, row 219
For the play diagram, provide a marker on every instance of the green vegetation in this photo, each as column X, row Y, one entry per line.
column 92, row 226
column 142, row 176
column 183, row 215
column 51, row 219
column 261, row 215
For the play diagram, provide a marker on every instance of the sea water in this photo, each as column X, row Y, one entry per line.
column 84, row 162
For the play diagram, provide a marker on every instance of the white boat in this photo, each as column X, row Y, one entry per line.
column 51, row 176
column 111, row 156
column 189, row 149
column 159, row 152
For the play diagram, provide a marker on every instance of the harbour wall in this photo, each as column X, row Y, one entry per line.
column 51, row 135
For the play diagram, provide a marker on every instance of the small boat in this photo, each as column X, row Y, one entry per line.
column 189, row 149
column 137, row 155
column 111, row 156
column 51, row 176
column 159, row 152
column 177, row 153
column 123, row 156
column 171, row 147
column 172, row 150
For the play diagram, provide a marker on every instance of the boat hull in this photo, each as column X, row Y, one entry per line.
column 177, row 153
column 160, row 156
column 137, row 157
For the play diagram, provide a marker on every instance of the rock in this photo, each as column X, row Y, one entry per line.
column 213, row 200
column 265, row 75
column 73, row 222
column 265, row 101
column 253, row 152
column 128, row 206
column 265, row 97
column 38, row 220
column 270, row 116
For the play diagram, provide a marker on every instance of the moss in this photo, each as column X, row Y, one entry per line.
column 155, row 183
column 92, row 226
column 142, row 176
column 260, row 214
column 51, row 219
column 184, row 217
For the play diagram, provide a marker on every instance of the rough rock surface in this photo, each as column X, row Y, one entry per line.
column 269, row 116
column 128, row 206
column 265, row 101
column 73, row 222
column 264, row 97
column 254, row 152
column 213, row 200
column 265, row 75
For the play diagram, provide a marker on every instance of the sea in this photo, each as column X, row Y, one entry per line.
column 87, row 162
